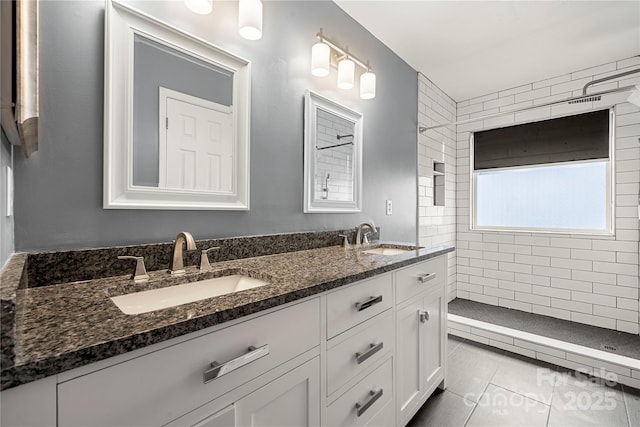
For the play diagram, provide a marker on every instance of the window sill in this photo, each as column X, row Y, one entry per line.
column 587, row 234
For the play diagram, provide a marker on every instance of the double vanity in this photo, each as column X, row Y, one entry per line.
column 329, row 335
column 303, row 329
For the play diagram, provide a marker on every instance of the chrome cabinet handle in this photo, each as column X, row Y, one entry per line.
column 368, row 303
column 424, row 278
column 424, row 316
column 373, row 349
column 374, row 395
column 219, row 369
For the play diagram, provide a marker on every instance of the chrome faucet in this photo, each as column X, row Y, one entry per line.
column 176, row 268
column 359, row 238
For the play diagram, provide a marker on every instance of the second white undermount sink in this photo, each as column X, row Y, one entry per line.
column 172, row 296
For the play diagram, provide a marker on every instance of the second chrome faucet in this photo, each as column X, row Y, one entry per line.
column 358, row 236
column 361, row 237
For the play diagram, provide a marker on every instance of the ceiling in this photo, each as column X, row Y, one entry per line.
column 472, row 48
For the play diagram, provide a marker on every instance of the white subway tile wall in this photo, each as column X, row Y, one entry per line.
column 437, row 224
column 334, row 166
column 586, row 279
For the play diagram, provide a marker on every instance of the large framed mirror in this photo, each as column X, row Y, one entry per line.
column 332, row 156
column 176, row 118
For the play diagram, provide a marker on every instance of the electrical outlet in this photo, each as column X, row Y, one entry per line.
column 389, row 207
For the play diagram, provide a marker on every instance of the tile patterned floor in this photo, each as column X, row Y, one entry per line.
column 489, row 387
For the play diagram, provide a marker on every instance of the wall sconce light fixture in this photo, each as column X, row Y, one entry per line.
column 250, row 19
column 19, row 48
column 346, row 73
column 201, row 7
column 367, row 85
column 249, row 15
column 321, row 56
column 320, row 59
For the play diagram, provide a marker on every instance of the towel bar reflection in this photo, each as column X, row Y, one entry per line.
column 333, row 146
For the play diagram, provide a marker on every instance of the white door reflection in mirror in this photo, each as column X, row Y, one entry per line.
column 332, row 156
column 196, row 143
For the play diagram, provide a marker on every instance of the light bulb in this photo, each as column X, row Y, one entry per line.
column 250, row 19
column 368, row 85
column 320, row 59
column 346, row 71
column 201, row 7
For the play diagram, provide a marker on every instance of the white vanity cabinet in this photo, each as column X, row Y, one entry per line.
column 292, row 399
column 420, row 334
column 358, row 302
column 359, row 356
column 159, row 387
column 223, row 418
column 365, row 354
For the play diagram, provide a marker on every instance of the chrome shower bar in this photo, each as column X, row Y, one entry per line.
column 605, row 79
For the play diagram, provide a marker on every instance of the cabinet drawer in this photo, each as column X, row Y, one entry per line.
column 356, row 352
column 384, row 418
column 368, row 398
column 418, row 278
column 355, row 304
column 158, row 387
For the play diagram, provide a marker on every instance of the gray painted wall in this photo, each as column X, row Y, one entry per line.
column 6, row 223
column 158, row 66
column 59, row 188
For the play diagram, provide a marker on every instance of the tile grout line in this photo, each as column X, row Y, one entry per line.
column 626, row 407
column 553, row 393
column 476, row 405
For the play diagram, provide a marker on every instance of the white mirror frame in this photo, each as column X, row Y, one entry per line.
column 122, row 23
column 312, row 103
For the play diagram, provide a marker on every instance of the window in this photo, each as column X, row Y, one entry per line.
column 548, row 176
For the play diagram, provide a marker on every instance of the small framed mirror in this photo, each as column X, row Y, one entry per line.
column 332, row 156
column 176, row 118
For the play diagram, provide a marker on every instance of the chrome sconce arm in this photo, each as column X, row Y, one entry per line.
column 321, row 61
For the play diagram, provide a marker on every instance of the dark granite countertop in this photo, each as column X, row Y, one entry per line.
column 51, row 329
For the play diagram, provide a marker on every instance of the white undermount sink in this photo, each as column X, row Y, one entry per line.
column 386, row 251
column 171, row 296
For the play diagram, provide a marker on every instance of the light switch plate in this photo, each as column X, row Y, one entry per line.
column 389, row 207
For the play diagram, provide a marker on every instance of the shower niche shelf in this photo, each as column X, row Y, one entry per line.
column 438, row 184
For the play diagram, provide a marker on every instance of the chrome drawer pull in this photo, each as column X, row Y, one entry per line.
column 373, row 349
column 368, row 303
column 424, row 316
column 375, row 395
column 219, row 369
column 424, row 278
